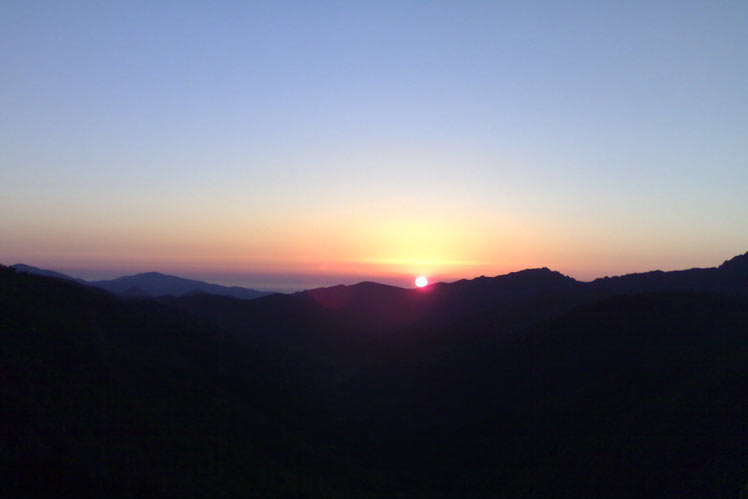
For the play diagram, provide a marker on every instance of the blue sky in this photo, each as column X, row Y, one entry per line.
column 243, row 139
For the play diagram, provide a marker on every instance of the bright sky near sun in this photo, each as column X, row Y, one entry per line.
column 290, row 144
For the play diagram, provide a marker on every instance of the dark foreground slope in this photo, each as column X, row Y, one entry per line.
column 552, row 391
column 104, row 397
column 640, row 395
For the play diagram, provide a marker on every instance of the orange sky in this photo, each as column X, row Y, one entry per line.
column 275, row 144
column 327, row 248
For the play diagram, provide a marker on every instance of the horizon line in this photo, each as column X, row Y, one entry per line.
column 292, row 289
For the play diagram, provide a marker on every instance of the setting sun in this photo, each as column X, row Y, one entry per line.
column 421, row 281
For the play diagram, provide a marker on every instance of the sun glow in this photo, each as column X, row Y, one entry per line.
column 421, row 281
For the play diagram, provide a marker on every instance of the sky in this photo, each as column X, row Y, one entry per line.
column 286, row 145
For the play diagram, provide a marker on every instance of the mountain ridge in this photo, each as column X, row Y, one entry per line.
column 731, row 276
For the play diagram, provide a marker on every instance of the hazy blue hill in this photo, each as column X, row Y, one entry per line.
column 20, row 267
column 152, row 284
column 157, row 284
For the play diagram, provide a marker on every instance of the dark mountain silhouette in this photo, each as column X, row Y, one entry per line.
column 373, row 306
column 530, row 384
column 731, row 277
column 523, row 296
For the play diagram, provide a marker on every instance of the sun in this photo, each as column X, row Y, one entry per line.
column 421, row 281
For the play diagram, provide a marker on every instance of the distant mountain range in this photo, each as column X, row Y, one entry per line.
column 152, row 284
column 439, row 300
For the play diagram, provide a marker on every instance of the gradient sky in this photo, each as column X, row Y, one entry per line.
column 292, row 144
